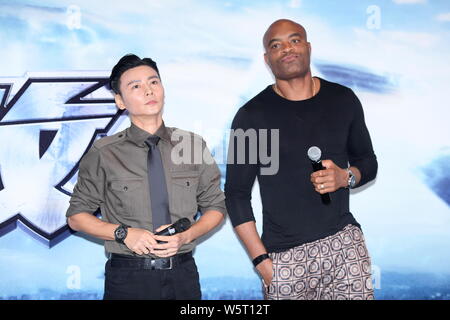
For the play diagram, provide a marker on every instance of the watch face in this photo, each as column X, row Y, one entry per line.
column 352, row 181
column 121, row 233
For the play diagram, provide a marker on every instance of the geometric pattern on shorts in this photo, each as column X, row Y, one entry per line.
column 334, row 268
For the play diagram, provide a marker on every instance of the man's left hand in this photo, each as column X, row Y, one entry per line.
column 172, row 245
column 330, row 179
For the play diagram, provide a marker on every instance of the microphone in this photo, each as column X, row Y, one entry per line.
column 179, row 226
column 314, row 154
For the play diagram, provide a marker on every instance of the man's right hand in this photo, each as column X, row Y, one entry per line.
column 265, row 269
column 249, row 235
column 140, row 241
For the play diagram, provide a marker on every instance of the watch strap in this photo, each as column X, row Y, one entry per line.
column 260, row 259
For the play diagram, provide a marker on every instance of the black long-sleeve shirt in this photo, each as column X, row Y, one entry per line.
column 293, row 213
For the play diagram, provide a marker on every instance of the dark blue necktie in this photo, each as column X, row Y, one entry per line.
column 157, row 183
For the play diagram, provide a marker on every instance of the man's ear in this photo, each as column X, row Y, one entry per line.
column 265, row 58
column 119, row 101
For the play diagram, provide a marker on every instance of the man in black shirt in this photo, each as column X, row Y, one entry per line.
column 308, row 250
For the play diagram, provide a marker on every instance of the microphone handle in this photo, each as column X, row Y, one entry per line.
column 176, row 227
column 166, row 232
column 317, row 165
column 170, row 230
column 325, row 198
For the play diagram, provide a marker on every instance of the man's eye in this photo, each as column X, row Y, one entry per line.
column 136, row 86
column 295, row 40
column 275, row 46
column 155, row 82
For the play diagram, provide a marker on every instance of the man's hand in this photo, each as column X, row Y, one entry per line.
column 265, row 271
column 140, row 241
column 330, row 179
column 172, row 243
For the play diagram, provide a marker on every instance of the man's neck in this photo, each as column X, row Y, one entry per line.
column 298, row 88
column 149, row 124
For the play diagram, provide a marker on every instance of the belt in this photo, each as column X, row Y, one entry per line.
column 120, row 260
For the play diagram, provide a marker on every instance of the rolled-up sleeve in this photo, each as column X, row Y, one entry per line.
column 209, row 194
column 360, row 150
column 87, row 194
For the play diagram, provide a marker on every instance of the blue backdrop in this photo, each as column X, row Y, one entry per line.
column 56, row 55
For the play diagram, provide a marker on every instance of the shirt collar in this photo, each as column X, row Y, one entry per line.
column 138, row 135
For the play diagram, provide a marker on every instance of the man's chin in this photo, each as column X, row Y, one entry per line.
column 147, row 115
column 290, row 74
column 287, row 77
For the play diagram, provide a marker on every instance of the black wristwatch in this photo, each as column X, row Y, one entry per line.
column 121, row 233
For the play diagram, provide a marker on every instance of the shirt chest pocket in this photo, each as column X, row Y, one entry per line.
column 184, row 192
column 126, row 196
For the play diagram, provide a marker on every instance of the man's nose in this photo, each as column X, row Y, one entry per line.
column 148, row 90
column 287, row 47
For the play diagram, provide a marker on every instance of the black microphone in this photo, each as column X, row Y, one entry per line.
column 179, row 226
column 314, row 155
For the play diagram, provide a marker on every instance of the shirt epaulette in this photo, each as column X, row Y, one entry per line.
column 100, row 143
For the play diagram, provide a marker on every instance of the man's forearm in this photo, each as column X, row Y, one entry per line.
column 249, row 236
column 87, row 223
column 208, row 221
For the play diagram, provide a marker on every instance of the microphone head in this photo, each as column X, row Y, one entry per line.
column 314, row 153
column 182, row 225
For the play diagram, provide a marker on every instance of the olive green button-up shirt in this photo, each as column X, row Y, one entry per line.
column 113, row 176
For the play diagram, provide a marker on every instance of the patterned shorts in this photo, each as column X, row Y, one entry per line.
column 334, row 268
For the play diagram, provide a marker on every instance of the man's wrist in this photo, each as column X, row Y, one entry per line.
column 345, row 179
column 351, row 179
column 187, row 236
column 120, row 233
column 256, row 261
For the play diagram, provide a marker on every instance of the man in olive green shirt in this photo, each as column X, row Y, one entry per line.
column 113, row 177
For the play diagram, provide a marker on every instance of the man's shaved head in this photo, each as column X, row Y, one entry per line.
column 271, row 31
column 287, row 50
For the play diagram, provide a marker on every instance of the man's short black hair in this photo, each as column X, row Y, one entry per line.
column 125, row 63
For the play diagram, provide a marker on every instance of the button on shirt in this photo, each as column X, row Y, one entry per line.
column 113, row 178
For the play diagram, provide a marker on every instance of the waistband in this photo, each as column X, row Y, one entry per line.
column 125, row 261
